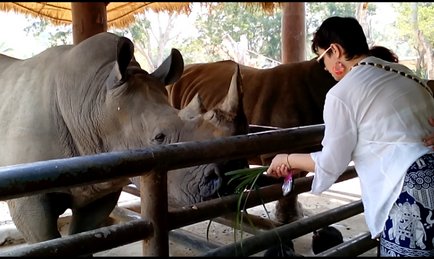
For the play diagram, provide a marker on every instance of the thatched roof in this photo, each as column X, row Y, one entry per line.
column 119, row 14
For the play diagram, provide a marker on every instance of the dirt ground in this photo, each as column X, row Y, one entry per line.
column 338, row 195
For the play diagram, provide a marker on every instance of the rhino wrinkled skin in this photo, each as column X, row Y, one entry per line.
column 92, row 98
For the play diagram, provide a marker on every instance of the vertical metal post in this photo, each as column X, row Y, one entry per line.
column 154, row 207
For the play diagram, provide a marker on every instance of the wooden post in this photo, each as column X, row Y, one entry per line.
column 293, row 32
column 88, row 19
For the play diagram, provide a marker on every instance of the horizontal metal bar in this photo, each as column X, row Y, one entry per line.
column 193, row 241
column 46, row 176
column 89, row 242
column 188, row 215
column 274, row 237
column 258, row 222
column 353, row 247
column 179, row 236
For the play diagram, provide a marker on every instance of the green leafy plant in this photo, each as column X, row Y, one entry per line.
column 247, row 178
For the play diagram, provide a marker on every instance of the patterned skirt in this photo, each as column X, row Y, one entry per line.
column 409, row 230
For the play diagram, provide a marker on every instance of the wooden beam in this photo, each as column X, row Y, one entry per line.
column 88, row 19
column 293, row 32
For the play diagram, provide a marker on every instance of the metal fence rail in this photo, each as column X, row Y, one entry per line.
column 47, row 176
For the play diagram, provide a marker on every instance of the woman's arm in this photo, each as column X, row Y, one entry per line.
column 340, row 138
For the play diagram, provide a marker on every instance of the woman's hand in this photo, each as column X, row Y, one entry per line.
column 279, row 166
column 429, row 140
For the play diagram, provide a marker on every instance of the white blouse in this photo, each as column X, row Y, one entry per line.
column 377, row 119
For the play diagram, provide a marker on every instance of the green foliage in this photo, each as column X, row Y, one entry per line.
column 425, row 21
column 5, row 49
column 406, row 34
column 317, row 12
column 247, row 178
column 262, row 30
column 62, row 34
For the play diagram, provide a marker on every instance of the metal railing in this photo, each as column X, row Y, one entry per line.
column 152, row 164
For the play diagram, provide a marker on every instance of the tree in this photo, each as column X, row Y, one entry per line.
column 56, row 34
column 141, row 34
column 317, row 12
column 231, row 22
column 418, row 33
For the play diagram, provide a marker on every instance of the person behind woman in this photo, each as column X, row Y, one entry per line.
column 376, row 116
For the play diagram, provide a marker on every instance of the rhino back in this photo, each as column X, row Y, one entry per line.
column 287, row 95
column 29, row 127
column 50, row 102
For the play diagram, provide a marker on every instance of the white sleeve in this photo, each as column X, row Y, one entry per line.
column 340, row 138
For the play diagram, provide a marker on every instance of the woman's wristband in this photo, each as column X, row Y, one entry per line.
column 287, row 160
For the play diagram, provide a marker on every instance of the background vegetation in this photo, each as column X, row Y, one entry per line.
column 253, row 38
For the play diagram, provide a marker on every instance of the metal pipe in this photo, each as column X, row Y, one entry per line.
column 274, row 237
column 52, row 175
column 196, row 242
column 353, row 247
column 88, row 242
column 177, row 235
column 258, row 222
column 188, row 215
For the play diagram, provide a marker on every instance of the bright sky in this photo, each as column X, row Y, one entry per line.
column 13, row 36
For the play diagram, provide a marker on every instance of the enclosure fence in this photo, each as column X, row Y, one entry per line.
column 157, row 222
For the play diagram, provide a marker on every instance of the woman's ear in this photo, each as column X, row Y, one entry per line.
column 337, row 50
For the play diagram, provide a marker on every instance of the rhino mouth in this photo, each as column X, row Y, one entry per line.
column 212, row 180
column 196, row 184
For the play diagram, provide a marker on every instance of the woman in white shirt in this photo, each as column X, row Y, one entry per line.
column 376, row 116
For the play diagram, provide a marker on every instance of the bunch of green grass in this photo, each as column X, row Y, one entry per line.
column 247, row 178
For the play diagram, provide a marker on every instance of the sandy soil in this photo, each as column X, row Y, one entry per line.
column 338, row 195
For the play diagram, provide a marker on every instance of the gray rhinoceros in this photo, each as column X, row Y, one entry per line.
column 92, row 98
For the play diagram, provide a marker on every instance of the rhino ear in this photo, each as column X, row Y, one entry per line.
column 193, row 109
column 233, row 99
column 124, row 54
column 171, row 69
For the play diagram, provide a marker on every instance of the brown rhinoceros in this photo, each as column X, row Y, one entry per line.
column 288, row 95
column 92, row 98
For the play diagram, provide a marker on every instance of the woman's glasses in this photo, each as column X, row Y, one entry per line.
column 320, row 58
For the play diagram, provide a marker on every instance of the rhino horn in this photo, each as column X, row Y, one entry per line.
column 233, row 100
column 171, row 69
column 193, row 109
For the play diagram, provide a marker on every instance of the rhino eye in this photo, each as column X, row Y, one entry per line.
column 160, row 138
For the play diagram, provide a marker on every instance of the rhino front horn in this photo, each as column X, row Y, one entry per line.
column 233, row 99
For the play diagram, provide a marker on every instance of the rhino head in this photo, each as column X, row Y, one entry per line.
column 133, row 111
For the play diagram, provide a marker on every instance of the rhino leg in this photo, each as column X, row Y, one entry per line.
column 289, row 209
column 93, row 215
column 36, row 216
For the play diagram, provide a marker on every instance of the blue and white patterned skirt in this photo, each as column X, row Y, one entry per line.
column 409, row 230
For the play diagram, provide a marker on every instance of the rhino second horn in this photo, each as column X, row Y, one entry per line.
column 232, row 100
column 194, row 108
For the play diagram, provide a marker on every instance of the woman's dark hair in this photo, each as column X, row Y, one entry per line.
column 384, row 53
column 345, row 31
